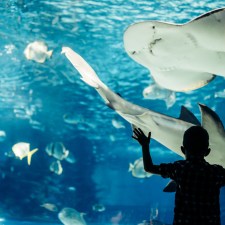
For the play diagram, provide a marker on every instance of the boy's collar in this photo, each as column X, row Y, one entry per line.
column 196, row 160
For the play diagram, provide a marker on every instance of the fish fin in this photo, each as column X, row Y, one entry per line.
column 170, row 187
column 206, row 111
column 131, row 166
column 29, row 155
column 205, row 15
column 187, row 116
column 49, row 53
column 148, row 174
column 190, row 80
column 21, row 157
column 66, row 153
column 213, row 124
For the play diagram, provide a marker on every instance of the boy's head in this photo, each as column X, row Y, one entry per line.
column 196, row 141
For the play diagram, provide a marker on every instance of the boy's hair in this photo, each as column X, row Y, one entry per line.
column 195, row 139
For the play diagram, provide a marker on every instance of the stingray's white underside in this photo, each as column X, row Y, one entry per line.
column 180, row 57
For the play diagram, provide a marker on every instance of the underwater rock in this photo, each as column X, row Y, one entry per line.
column 69, row 216
column 56, row 167
column 137, row 169
column 37, row 51
column 22, row 149
column 57, row 150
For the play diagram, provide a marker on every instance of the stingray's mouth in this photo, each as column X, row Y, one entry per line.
column 152, row 44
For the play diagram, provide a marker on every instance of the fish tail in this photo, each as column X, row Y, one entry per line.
column 131, row 166
column 29, row 155
column 49, row 53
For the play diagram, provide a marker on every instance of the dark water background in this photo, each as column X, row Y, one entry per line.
column 34, row 99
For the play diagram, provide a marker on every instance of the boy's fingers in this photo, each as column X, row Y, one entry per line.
column 140, row 130
column 136, row 132
column 134, row 137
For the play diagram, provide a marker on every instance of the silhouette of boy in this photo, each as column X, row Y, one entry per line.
column 198, row 182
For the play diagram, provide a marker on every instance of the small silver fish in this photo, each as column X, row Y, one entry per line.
column 69, row 216
column 154, row 91
column 49, row 206
column 37, row 51
column 22, row 149
column 2, row 135
column 57, row 150
column 56, row 167
column 73, row 118
column 137, row 169
column 98, row 207
column 117, row 124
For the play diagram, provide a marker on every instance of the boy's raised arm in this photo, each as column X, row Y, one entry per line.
column 147, row 159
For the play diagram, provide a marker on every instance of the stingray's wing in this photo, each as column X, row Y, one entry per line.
column 180, row 57
column 166, row 130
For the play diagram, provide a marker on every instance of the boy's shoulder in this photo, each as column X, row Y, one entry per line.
column 219, row 167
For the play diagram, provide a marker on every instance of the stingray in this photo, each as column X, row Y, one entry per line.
column 180, row 57
column 165, row 129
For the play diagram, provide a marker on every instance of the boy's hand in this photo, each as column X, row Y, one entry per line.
column 141, row 138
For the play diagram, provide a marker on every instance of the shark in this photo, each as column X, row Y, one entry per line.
column 166, row 130
column 180, row 57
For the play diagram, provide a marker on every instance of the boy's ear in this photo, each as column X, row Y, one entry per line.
column 182, row 149
column 207, row 151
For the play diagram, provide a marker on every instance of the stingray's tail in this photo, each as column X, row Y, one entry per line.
column 88, row 75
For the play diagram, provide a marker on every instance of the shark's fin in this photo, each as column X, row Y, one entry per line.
column 29, row 155
column 170, row 187
column 187, row 116
column 206, row 110
column 211, row 121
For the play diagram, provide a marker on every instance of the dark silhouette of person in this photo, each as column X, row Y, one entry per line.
column 198, row 182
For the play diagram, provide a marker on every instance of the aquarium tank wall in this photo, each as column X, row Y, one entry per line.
column 66, row 156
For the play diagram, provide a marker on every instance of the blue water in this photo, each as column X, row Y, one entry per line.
column 35, row 97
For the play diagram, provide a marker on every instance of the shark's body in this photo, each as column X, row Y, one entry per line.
column 165, row 129
column 180, row 57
